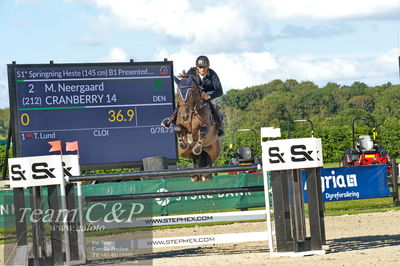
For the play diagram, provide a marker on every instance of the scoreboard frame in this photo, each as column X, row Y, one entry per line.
column 103, row 162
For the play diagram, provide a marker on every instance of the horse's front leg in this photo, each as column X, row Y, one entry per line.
column 179, row 133
column 198, row 148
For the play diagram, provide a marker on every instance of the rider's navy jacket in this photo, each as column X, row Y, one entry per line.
column 210, row 83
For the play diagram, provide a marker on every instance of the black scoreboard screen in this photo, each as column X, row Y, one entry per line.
column 112, row 110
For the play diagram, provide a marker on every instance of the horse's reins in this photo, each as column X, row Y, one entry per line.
column 202, row 104
column 196, row 108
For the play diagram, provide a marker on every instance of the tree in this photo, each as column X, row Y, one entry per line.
column 357, row 88
column 363, row 102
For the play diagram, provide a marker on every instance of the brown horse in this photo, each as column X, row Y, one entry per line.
column 195, row 127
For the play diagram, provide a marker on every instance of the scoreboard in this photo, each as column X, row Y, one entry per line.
column 113, row 110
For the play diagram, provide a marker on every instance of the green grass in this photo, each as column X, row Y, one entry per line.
column 362, row 204
column 331, row 165
column 336, row 208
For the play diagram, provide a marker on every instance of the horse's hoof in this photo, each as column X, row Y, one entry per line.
column 190, row 138
column 197, row 150
column 178, row 128
column 166, row 123
column 183, row 146
column 195, row 178
column 205, row 178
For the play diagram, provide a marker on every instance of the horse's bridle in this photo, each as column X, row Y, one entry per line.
column 194, row 110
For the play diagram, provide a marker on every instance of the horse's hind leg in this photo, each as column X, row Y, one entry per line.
column 202, row 160
column 196, row 164
column 205, row 161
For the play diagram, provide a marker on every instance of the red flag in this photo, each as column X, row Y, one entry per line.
column 55, row 146
column 71, row 146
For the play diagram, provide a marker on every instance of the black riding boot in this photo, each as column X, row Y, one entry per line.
column 219, row 117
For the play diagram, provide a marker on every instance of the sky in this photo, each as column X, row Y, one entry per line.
column 248, row 42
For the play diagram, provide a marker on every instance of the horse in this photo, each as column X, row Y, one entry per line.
column 196, row 130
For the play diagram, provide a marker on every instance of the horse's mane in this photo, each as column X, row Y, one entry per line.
column 183, row 74
column 190, row 72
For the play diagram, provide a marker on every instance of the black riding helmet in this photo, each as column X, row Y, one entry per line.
column 202, row 61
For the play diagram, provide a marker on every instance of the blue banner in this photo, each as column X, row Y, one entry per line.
column 356, row 182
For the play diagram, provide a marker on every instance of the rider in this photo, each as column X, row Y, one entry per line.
column 211, row 89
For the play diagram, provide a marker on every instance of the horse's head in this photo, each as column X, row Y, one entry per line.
column 188, row 89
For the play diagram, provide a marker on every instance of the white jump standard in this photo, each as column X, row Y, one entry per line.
column 285, row 159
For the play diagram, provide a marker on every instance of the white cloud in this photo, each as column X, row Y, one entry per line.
column 240, row 70
column 186, row 19
column 385, row 60
column 318, row 68
column 115, row 54
column 327, row 9
column 4, row 102
column 210, row 27
column 236, row 26
column 373, row 69
column 244, row 69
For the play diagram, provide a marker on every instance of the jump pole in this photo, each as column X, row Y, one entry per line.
column 266, row 134
column 186, row 219
column 163, row 173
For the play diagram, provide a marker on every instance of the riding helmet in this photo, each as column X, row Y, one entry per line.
column 202, row 61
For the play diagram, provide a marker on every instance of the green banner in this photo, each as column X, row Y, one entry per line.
column 7, row 212
column 188, row 204
column 161, row 206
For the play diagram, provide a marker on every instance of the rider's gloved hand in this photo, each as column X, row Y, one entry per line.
column 205, row 96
